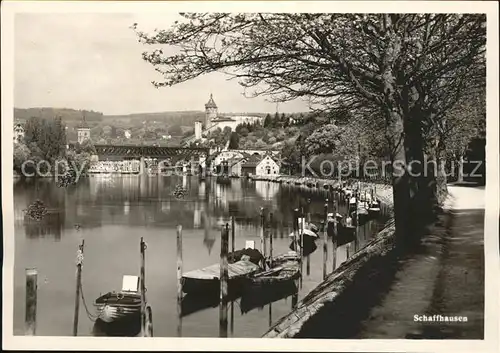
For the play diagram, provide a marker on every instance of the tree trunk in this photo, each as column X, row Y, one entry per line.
column 400, row 185
column 460, row 177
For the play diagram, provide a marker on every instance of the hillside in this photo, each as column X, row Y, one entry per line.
column 158, row 127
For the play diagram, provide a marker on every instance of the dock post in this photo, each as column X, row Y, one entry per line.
column 271, row 234
column 143, row 287
column 334, row 242
column 308, row 210
column 179, row 280
column 179, row 263
column 325, row 238
column 295, row 225
column 262, row 248
column 232, row 233
column 31, row 300
column 79, row 263
column 223, row 282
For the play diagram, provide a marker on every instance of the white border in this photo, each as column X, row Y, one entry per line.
column 490, row 344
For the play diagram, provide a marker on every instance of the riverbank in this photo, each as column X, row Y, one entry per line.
column 445, row 276
column 382, row 191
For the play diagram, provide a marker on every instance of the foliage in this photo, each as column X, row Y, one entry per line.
column 175, row 130
column 234, row 141
column 21, row 154
column 46, row 136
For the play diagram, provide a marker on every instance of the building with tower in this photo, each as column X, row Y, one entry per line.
column 83, row 131
column 211, row 111
column 214, row 121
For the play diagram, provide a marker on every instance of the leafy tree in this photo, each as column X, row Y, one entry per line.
column 243, row 132
column 175, row 130
column 21, row 154
column 410, row 69
column 267, row 121
column 234, row 141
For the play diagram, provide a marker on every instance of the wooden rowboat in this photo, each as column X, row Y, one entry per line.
column 118, row 306
column 206, row 280
column 115, row 306
column 283, row 273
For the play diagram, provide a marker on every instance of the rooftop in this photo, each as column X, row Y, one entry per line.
column 211, row 103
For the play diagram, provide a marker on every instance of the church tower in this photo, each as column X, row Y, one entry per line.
column 83, row 131
column 210, row 111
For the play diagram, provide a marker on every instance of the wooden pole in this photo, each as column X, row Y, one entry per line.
column 31, row 300
column 223, row 281
column 295, row 230
column 325, row 238
column 271, row 234
column 179, row 263
column 143, row 286
column 232, row 318
column 309, row 210
column 334, row 242
column 232, row 233
column 262, row 249
column 79, row 264
column 179, row 280
column 270, row 314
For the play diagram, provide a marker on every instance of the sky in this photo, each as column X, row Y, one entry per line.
column 93, row 61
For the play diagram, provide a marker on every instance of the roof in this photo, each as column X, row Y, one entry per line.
column 222, row 118
column 253, row 161
column 211, row 103
column 83, row 124
column 234, row 160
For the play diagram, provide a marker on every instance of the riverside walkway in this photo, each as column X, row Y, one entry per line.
column 445, row 276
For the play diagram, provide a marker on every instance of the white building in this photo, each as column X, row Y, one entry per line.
column 127, row 134
column 226, row 156
column 83, row 131
column 18, row 133
column 267, row 166
column 213, row 120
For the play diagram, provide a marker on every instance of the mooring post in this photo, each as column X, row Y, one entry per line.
column 179, row 264
column 334, row 241
column 270, row 315
column 309, row 210
column 295, row 230
column 223, row 281
column 232, row 233
column 356, row 232
column 143, row 286
column 271, row 234
column 325, row 238
column 31, row 299
column 79, row 264
column 262, row 249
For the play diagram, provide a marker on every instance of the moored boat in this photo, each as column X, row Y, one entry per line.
column 119, row 305
column 283, row 272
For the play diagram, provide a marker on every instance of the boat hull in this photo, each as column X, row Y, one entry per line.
column 118, row 306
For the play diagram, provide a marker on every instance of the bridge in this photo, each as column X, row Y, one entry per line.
column 138, row 152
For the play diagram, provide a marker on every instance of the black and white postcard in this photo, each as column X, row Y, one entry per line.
column 250, row 175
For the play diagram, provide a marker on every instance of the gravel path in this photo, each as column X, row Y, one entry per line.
column 446, row 277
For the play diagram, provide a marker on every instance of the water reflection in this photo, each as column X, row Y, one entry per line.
column 115, row 211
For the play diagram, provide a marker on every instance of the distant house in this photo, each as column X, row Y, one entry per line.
column 127, row 134
column 227, row 155
column 267, row 166
column 249, row 167
column 235, row 166
column 18, row 133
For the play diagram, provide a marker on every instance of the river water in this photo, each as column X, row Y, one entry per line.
column 112, row 213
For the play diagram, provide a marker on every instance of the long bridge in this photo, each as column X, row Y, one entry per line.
column 138, row 152
column 188, row 157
